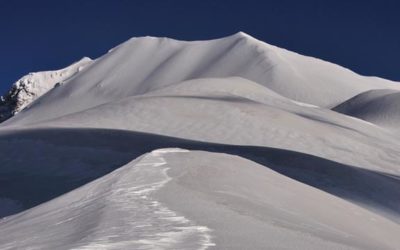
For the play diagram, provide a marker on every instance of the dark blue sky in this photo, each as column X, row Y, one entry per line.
column 42, row 35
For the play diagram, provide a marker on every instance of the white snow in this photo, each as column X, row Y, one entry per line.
column 380, row 107
column 237, row 111
column 30, row 87
column 252, row 207
column 246, row 205
column 144, row 64
column 325, row 141
column 114, row 212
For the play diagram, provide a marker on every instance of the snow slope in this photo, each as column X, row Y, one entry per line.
column 221, row 111
column 266, row 150
column 380, row 107
column 32, row 86
column 144, row 64
column 130, row 208
column 114, row 212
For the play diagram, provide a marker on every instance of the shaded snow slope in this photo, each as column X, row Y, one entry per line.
column 144, row 64
column 113, row 212
column 35, row 168
column 267, row 210
column 66, row 158
column 221, row 111
column 177, row 199
column 32, row 86
column 380, row 107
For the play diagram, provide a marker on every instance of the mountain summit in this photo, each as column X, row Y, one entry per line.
column 166, row 144
column 144, row 64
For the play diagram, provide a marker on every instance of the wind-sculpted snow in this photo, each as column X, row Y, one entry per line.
column 179, row 199
column 117, row 211
column 292, row 165
column 237, row 111
column 144, row 64
column 28, row 172
column 380, row 107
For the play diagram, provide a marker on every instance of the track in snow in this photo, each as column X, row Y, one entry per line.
column 115, row 212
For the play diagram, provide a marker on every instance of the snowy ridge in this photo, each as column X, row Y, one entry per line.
column 141, row 206
column 145, row 64
column 114, row 212
column 274, row 146
column 32, row 86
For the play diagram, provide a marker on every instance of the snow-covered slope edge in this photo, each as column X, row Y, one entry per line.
column 238, row 111
column 380, row 106
column 116, row 211
column 196, row 200
column 32, row 86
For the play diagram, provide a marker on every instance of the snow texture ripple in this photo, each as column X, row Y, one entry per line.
column 117, row 211
column 142, row 222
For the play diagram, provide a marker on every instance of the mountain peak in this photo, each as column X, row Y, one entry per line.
column 35, row 84
column 144, row 64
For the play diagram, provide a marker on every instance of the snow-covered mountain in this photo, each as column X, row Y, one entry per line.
column 223, row 144
column 32, row 86
column 145, row 64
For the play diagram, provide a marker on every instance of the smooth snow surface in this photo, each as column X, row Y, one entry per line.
column 223, row 144
column 380, row 107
